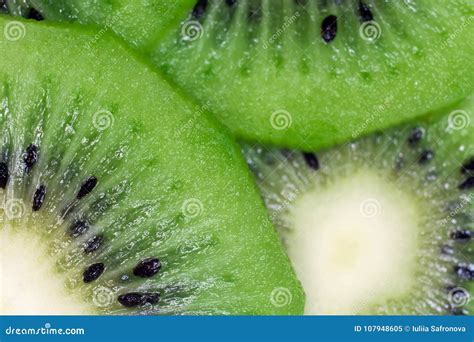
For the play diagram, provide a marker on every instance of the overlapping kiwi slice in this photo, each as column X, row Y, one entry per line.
column 382, row 225
column 142, row 23
column 118, row 196
column 302, row 73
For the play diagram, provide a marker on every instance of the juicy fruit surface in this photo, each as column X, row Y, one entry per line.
column 356, row 252
column 308, row 74
column 382, row 225
column 136, row 201
column 155, row 17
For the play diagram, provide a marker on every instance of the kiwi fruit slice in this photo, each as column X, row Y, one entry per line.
column 118, row 195
column 155, row 18
column 306, row 74
column 382, row 225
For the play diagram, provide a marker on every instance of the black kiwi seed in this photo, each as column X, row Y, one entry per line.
column 468, row 167
column 38, row 198
column 87, row 187
column 138, row 298
column 199, row 9
column 311, row 160
column 3, row 175
column 329, row 28
column 34, row 14
column 78, row 228
column 31, row 157
column 465, row 272
column 93, row 244
column 147, row 268
column 461, row 235
column 365, row 12
column 415, row 136
column 230, row 2
column 425, row 156
column 467, row 184
column 93, row 272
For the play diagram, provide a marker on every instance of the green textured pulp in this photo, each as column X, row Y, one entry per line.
column 264, row 70
column 171, row 183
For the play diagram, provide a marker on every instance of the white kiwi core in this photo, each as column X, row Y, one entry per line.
column 28, row 283
column 357, row 234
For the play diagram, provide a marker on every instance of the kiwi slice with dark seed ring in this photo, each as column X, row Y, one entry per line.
column 384, row 224
column 118, row 195
column 305, row 74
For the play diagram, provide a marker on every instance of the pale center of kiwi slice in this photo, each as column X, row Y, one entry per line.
column 382, row 225
column 25, row 262
column 350, row 237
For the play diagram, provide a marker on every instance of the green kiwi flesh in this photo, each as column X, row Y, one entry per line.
column 118, row 196
column 382, row 225
column 155, row 17
column 306, row 74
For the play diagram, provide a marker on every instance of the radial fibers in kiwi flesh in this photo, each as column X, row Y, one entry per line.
column 383, row 225
column 141, row 23
column 19, row 8
column 118, row 196
column 306, row 73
